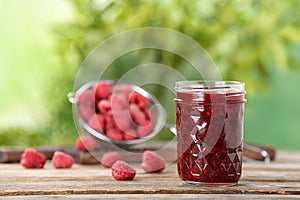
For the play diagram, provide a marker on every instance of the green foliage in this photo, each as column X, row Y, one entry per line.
column 248, row 40
column 21, row 137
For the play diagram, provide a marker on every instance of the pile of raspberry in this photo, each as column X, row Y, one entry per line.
column 115, row 110
column 31, row 158
column 151, row 163
column 121, row 170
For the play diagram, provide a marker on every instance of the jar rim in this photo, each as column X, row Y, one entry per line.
column 210, row 86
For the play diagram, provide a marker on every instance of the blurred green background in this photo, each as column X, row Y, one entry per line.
column 42, row 44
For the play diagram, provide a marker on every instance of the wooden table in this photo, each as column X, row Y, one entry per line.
column 277, row 180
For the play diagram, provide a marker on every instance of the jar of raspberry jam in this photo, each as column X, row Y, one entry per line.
column 209, row 123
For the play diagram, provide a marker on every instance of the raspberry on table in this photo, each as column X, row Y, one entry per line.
column 62, row 160
column 86, row 142
column 122, row 171
column 32, row 159
column 152, row 162
column 109, row 158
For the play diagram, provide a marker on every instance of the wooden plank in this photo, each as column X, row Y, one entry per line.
column 98, row 180
column 142, row 187
column 288, row 157
column 278, row 179
column 152, row 196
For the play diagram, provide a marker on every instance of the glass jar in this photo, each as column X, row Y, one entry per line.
column 209, row 124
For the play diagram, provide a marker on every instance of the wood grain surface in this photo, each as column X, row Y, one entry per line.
column 277, row 180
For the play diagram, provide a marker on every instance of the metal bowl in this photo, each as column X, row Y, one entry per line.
column 157, row 114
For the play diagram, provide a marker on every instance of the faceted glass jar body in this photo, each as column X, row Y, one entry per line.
column 209, row 123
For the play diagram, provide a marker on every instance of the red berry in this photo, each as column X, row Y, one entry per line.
column 137, row 115
column 32, row 159
column 124, row 89
column 62, row 160
column 86, row 112
column 133, row 108
column 147, row 114
column 97, row 122
column 103, row 90
column 139, row 99
column 130, row 134
column 145, row 129
column 118, row 101
column 122, row 171
column 114, row 134
column 86, row 142
column 104, row 106
column 152, row 162
column 139, row 118
column 109, row 121
column 86, row 98
column 122, row 119
column 109, row 158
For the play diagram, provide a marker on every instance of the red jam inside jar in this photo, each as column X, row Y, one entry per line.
column 209, row 123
